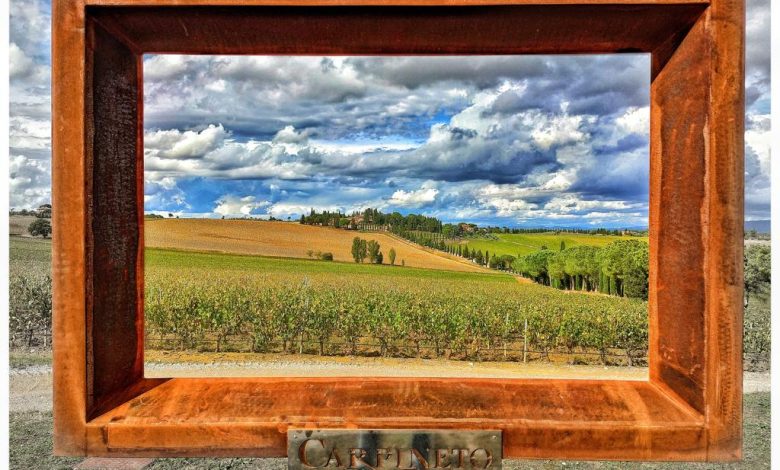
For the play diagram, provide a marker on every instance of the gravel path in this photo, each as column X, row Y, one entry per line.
column 31, row 387
column 314, row 366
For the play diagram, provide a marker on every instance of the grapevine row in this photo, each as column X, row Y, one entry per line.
column 451, row 316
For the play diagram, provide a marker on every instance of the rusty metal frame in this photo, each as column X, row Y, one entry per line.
column 691, row 407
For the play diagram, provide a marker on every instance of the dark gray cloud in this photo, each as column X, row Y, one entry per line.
column 480, row 72
column 373, row 97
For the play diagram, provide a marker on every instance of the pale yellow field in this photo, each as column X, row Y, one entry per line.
column 18, row 225
column 286, row 239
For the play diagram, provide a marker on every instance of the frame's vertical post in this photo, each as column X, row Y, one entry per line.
column 725, row 263
column 69, row 270
column 696, row 214
column 114, row 175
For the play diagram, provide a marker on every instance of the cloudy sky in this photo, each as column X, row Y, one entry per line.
column 516, row 141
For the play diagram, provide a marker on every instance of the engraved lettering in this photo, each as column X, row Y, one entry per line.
column 442, row 456
column 422, row 462
column 356, row 461
column 475, row 461
column 398, row 463
column 324, row 449
column 384, row 454
column 302, row 452
column 461, row 453
column 334, row 455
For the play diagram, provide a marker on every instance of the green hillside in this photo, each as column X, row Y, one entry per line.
column 525, row 243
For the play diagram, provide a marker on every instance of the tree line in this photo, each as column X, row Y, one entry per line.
column 43, row 211
column 619, row 268
column 395, row 221
column 405, row 225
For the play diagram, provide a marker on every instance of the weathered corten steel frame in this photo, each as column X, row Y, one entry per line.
column 691, row 407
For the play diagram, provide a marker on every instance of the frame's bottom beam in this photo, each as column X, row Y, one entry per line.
column 582, row 419
column 556, row 440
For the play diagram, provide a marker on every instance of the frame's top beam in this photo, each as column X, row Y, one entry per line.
column 448, row 3
column 385, row 30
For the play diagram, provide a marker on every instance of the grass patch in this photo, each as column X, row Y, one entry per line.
column 31, row 444
column 29, row 255
column 23, row 359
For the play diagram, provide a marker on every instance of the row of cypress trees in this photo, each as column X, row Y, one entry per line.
column 619, row 268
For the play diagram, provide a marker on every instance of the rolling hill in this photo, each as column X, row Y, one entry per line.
column 285, row 239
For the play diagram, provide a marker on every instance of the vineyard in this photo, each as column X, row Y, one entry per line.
column 217, row 301
column 273, row 305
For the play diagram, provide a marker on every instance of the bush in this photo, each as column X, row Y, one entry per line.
column 40, row 227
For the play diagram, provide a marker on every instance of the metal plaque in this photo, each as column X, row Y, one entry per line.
column 393, row 449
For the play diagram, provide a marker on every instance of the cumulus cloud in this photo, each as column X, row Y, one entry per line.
column 289, row 135
column 20, row 65
column 164, row 194
column 415, row 198
column 757, row 167
column 30, row 183
column 29, row 134
column 235, row 206
column 635, row 120
column 182, row 145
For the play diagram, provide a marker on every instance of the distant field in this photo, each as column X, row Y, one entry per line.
column 158, row 261
column 19, row 223
column 284, row 239
column 526, row 243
